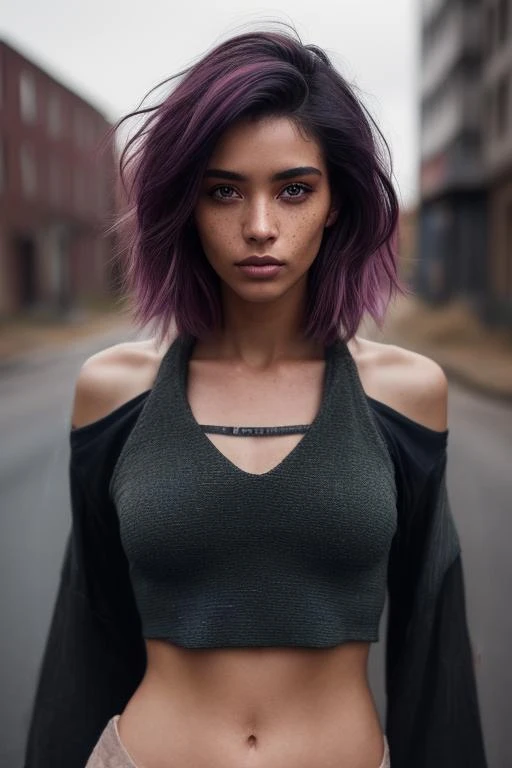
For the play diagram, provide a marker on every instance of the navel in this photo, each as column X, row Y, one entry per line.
column 252, row 741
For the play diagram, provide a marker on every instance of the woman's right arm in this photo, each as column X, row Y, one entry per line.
column 94, row 656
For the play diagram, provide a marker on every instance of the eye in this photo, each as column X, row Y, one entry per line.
column 296, row 191
column 224, row 192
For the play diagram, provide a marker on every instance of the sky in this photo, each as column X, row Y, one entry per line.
column 113, row 52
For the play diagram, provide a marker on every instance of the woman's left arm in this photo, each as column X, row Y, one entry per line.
column 433, row 718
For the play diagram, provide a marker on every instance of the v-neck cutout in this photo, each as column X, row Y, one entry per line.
column 203, row 443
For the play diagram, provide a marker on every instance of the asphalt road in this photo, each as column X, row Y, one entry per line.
column 35, row 402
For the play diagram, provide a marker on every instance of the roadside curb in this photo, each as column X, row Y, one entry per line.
column 461, row 377
column 470, row 354
column 43, row 346
column 460, row 374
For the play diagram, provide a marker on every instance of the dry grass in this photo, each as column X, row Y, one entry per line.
column 453, row 325
column 451, row 335
column 20, row 336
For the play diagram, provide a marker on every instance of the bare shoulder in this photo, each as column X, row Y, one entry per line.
column 406, row 381
column 113, row 376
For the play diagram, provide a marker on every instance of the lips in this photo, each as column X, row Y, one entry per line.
column 258, row 261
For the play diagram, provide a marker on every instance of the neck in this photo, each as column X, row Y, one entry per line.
column 259, row 335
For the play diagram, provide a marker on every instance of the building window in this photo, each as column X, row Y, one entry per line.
column 86, row 124
column 508, row 250
column 489, row 28
column 80, row 128
column 90, row 133
column 55, row 182
column 28, row 103
column 28, row 171
column 487, row 116
column 503, row 20
column 502, row 106
column 2, row 167
column 79, row 191
column 103, row 195
column 54, row 116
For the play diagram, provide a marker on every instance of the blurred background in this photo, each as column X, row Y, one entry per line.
column 437, row 76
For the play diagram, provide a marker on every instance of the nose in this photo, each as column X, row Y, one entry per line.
column 260, row 223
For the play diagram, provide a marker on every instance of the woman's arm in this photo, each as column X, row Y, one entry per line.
column 433, row 718
column 94, row 656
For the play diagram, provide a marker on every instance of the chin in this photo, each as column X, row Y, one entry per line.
column 262, row 289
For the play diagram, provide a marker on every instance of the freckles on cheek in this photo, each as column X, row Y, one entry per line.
column 215, row 235
column 308, row 230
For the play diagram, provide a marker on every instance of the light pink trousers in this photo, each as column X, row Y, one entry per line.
column 109, row 752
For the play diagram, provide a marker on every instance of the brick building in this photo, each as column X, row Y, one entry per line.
column 56, row 192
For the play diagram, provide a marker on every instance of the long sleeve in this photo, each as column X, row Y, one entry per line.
column 433, row 717
column 94, row 656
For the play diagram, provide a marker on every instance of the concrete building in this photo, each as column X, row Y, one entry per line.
column 497, row 152
column 56, row 192
column 453, row 206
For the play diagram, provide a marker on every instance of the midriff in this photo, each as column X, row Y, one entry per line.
column 253, row 708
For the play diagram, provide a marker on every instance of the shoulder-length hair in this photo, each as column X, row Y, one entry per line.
column 253, row 75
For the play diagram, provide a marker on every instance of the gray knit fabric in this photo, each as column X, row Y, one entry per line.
column 220, row 557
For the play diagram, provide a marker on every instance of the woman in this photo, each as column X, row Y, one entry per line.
column 245, row 486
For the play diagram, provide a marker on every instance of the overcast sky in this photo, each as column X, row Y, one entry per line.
column 113, row 51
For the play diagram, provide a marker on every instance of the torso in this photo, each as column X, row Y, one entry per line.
column 268, row 708
column 264, row 707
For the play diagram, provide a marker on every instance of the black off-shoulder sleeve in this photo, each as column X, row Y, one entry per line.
column 94, row 656
column 432, row 718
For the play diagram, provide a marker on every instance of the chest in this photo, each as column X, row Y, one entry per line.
column 184, row 508
column 183, row 503
column 291, row 395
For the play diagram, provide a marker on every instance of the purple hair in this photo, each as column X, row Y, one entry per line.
column 250, row 76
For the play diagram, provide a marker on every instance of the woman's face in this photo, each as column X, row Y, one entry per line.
column 265, row 195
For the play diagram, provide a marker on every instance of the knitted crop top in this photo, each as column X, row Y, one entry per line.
column 220, row 557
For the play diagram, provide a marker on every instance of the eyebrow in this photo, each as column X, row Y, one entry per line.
column 290, row 173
